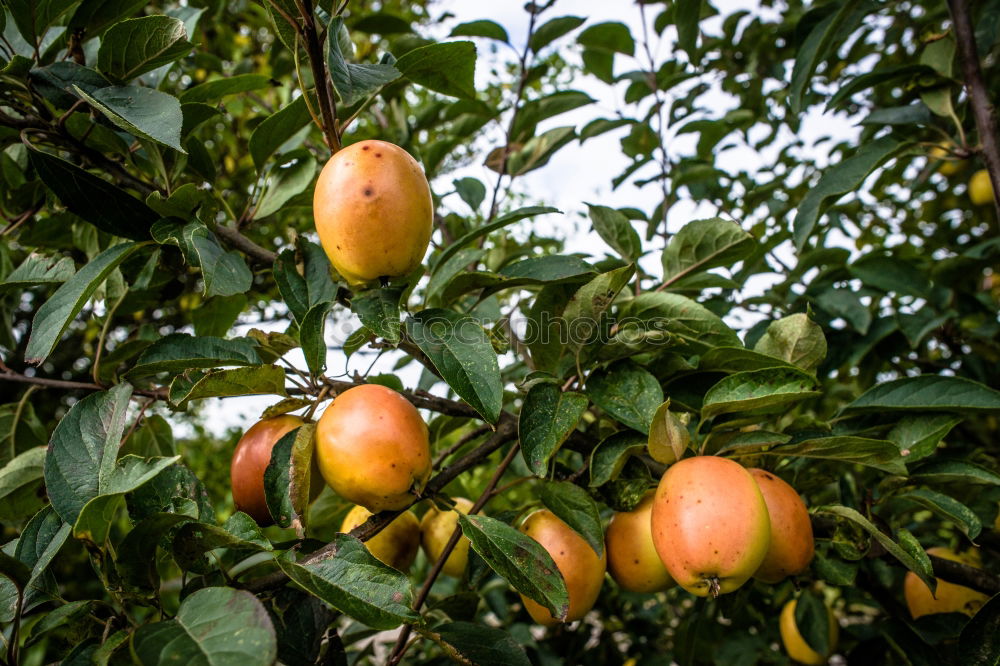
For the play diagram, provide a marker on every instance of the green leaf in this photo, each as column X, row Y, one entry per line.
column 225, row 272
column 814, row 49
column 757, row 390
column 617, row 231
column 461, row 351
column 874, row 77
column 288, row 476
column 688, row 15
column 552, row 30
column 193, row 541
column 525, row 564
column 843, row 177
column 312, row 286
column 353, row 82
column 142, row 112
column 737, row 359
column 796, row 339
column 891, row 274
column 210, row 91
column 130, row 473
column 705, row 244
column 482, row 645
column 276, row 129
column 312, row 335
column 954, row 471
column 525, row 123
column 845, row 303
column 480, row 28
column 979, row 643
column 254, row 380
column 66, row 615
column 537, row 151
column 947, row 507
column 690, row 322
column 877, row 453
column 82, row 451
column 136, row 554
column 499, row 223
column 575, row 507
column 928, row 393
column 447, row 67
column 216, row 316
column 33, row 17
column 610, row 36
column 132, row 47
column 547, row 418
column 585, row 320
column 378, row 310
column 549, row 269
column 40, row 541
column 918, row 435
column 285, row 181
column 215, row 625
column 609, row 457
column 351, row 580
column 813, row 622
column 471, row 190
column 94, row 199
column 921, row 569
column 39, row 269
column 627, row 392
column 179, row 351
column 21, row 485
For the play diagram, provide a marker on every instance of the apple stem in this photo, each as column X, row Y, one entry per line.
column 713, row 585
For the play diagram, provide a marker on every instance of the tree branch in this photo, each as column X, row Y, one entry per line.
column 982, row 108
column 9, row 375
column 321, row 80
column 963, row 574
column 402, row 644
column 237, row 240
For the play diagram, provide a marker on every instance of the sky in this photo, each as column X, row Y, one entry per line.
column 577, row 174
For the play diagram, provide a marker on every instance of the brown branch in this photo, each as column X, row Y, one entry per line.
column 402, row 644
column 237, row 240
column 963, row 574
column 321, row 79
column 982, row 108
column 44, row 382
column 459, row 443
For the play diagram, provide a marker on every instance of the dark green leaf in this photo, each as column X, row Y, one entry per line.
column 499, row 223
column 814, row 49
column 955, row 471
column 547, row 418
column 585, row 320
column 351, row 580
column 525, row 564
column 20, row 485
column 482, row 645
column 812, row 621
column 617, row 231
column 194, row 540
column 688, row 15
column 179, row 351
column 946, row 507
column 287, row 478
column 94, row 199
column 877, row 453
column 552, row 30
column 216, row 316
column 447, row 67
column 921, row 569
column 136, row 554
column 575, row 507
column 378, row 310
column 843, row 177
column 255, row 380
column 461, row 351
column 312, row 335
column 215, row 625
column 918, row 435
column 979, row 643
column 758, row 389
column 928, row 393
column 135, row 46
column 471, row 190
column 610, row 456
column 210, row 91
column 610, row 36
column 681, row 317
column 142, row 112
column 628, row 393
column 480, row 28
column 276, row 129
column 796, row 339
column 705, row 244
column 286, row 180
column 38, row 269
column 737, row 359
column 33, row 17
column 354, row 82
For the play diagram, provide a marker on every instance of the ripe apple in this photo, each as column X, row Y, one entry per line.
column 980, row 188
column 372, row 447
column 632, row 558
column 710, row 524
column 579, row 565
column 436, row 529
column 795, row 644
column 949, row 597
column 396, row 545
column 791, row 548
column 373, row 211
column 250, row 459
